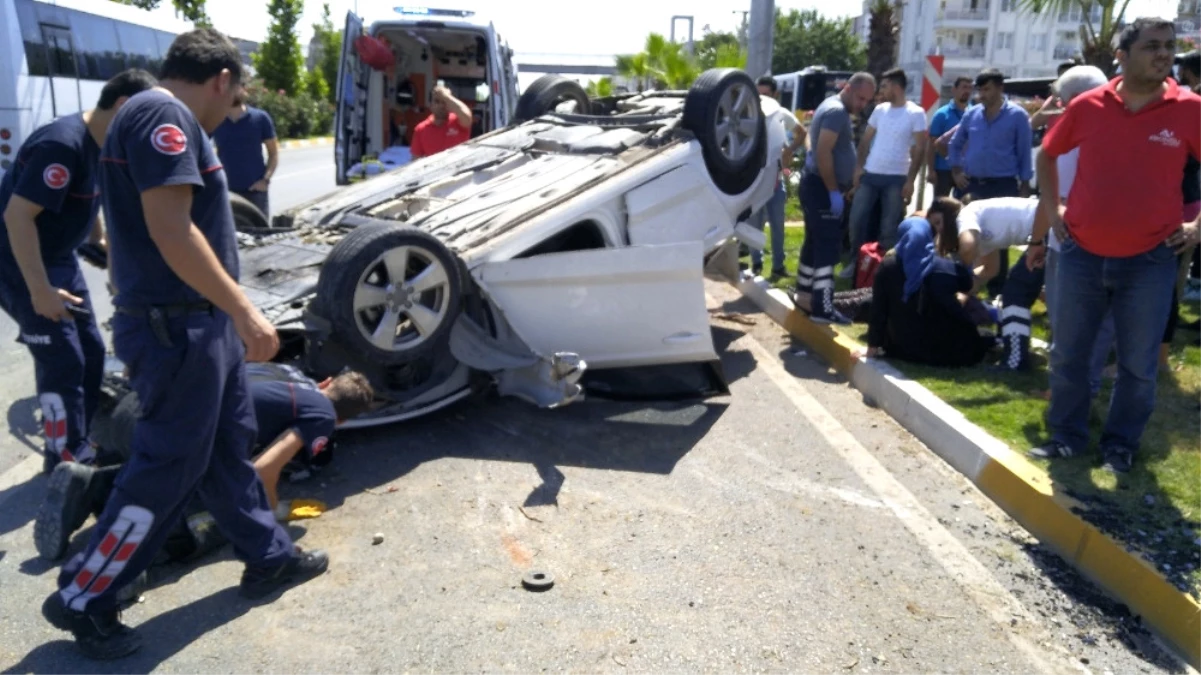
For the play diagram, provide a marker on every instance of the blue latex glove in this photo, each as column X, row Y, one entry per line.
column 836, row 203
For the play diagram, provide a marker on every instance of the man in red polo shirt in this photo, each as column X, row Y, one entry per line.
column 1120, row 235
column 448, row 125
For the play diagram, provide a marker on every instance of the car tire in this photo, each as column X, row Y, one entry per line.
column 547, row 93
column 247, row 217
column 357, row 293
column 718, row 104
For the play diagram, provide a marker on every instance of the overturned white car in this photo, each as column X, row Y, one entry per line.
column 575, row 239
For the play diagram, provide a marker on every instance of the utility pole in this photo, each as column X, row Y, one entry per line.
column 742, row 29
column 760, row 34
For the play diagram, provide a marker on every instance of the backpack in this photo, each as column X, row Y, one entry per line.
column 871, row 255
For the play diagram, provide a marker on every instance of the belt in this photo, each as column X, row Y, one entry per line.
column 168, row 311
column 1004, row 179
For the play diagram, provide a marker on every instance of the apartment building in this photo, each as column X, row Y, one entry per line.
column 974, row 34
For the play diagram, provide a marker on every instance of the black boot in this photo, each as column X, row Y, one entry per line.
column 63, row 510
column 99, row 636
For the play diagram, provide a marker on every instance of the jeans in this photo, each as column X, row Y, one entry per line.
column 1105, row 336
column 1138, row 291
column 772, row 213
column 875, row 187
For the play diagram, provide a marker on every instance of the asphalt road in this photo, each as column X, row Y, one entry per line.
column 785, row 527
column 304, row 173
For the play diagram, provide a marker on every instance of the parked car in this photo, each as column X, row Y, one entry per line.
column 573, row 240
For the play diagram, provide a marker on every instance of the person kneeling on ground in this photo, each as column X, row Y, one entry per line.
column 295, row 414
column 917, row 305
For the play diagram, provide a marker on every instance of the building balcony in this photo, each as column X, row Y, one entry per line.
column 962, row 16
column 1066, row 51
column 959, row 52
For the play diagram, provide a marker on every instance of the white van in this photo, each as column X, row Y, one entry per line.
column 378, row 109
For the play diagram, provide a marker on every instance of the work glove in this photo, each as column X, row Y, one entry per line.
column 836, row 203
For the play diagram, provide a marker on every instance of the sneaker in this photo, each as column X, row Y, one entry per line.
column 63, row 510
column 779, row 273
column 259, row 582
column 835, row 317
column 757, row 270
column 99, row 636
column 1117, row 459
column 1051, row 449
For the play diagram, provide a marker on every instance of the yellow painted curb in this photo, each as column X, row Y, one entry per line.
column 1027, row 494
column 305, row 142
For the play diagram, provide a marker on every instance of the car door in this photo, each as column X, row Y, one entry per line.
column 350, row 111
column 615, row 307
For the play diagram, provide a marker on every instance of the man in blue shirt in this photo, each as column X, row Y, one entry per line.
column 991, row 152
column 945, row 119
column 184, row 329
column 240, row 140
column 49, row 202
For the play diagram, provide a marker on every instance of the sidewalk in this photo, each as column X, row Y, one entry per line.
column 1020, row 488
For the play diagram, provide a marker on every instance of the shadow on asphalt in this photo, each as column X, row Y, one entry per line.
column 21, row 503
column 23, row 423
column 171, row 632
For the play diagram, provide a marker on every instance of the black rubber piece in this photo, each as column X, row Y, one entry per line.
column 538, row 581
column 546, row 93
column 247, row 217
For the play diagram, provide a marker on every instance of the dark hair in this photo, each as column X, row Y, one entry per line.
column 896, row 76
column 948, row 239
column 1065, row 67
column 1130, row 33
column 1191, row 62
column 989, row 75
column 199, row 55
column 125, row 84
column 351, row 395
column 961, row 79
column 767, row 81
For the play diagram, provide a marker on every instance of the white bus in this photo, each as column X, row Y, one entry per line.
column 55, row 56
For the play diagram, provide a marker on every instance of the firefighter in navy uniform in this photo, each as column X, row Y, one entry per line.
column 184, row 329
column 49, row 202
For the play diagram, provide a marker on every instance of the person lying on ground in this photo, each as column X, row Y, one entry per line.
column 917, row 309
column 296, row 416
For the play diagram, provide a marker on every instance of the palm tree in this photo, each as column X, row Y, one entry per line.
column 730, row 56
column 600, row 88
column 882, row 36
column 1096, row 38
column 678, row 70
column 635, row 67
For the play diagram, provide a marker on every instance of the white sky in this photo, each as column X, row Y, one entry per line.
column 610, row 27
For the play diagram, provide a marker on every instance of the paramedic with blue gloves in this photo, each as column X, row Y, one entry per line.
column 184, row 329
column 49, row 202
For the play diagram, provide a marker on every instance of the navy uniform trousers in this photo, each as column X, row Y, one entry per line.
column 194, row 437
column 820, row 250
column 68, row 358
column 1022, row 288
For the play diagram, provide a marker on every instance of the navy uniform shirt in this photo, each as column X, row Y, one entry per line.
column 285, row 399
column 55, row 169
column 155, row 141
column 240, row 147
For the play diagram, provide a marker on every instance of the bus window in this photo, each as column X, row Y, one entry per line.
column 96, row 43
column 31, row 34
column 139, row 45
column 60, row 51
column 164, row 45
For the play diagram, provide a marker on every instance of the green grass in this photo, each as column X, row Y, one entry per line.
column 1160, row 498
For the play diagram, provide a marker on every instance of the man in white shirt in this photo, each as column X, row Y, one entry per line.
column 890, row 156
column 773, row 211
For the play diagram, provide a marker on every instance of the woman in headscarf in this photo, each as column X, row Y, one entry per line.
column 916, row 311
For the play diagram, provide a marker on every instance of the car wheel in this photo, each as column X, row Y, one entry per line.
column 546, row 93
column 390, row 292
column 722, row 111
column 247, row 217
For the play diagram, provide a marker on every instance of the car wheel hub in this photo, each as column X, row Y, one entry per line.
column 737, row 122
column 401, row 298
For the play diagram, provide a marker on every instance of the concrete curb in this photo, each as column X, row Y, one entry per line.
column 1008, row 478
column 305, row 142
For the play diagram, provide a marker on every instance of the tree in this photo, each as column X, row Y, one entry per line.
column 191, row 10
column 329, row 41
column 805, row 38
column 600, row 88
column 636, row 68
column 720, row 50
column 279, row 60
column 1096, row 38
column 882, row 40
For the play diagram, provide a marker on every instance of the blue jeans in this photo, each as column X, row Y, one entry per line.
column 872, row 187
column 1105, row 337
column 772, row 213
column 1138, row 291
